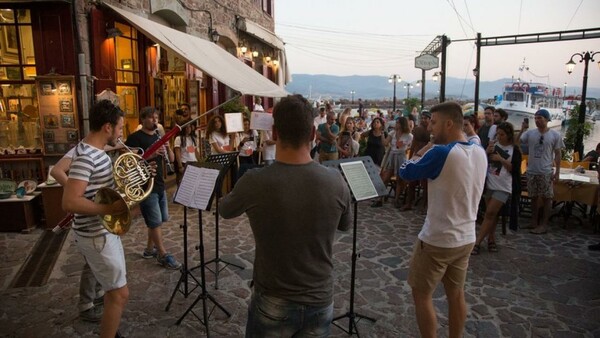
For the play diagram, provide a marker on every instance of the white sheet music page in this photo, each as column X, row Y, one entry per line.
column 359, row 181
column 196, row 187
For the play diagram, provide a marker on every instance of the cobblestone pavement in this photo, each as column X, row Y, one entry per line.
column 535, row 286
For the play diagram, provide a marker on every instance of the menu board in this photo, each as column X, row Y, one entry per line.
column 58, row 113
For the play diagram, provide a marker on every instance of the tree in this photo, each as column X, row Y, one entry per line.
column 571, row 135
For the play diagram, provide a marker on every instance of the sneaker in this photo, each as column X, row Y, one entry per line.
column 93, row 314
column 99, row 301
column 168, row 261
column 150, row 254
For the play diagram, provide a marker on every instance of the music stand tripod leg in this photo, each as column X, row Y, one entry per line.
column 217, row 259
column 183, row 279
column 352, row 321
column 204, row 295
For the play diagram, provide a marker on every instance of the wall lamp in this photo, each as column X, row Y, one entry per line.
column 113, row 32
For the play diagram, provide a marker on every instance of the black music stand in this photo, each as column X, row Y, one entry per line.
column 226, row 160
column 372, row 175
column 188, row 195
column 182, row 283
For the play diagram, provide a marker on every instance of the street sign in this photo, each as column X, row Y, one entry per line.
column 427, row 62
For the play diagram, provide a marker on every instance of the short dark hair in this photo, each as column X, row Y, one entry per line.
column 503, row 114
column 450, row 110
column 492, row 108
column 103, row 112
column 294, row 118
column 147, row 111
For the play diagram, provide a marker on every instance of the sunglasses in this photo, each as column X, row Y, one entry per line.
column 542, row 139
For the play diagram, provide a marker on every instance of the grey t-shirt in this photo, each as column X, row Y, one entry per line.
column 294, row 211
column 541, row 150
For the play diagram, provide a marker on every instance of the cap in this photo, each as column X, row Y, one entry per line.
column 426, row 113
column 543, row 113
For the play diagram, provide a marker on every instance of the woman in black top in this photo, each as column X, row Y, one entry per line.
column 375, row 141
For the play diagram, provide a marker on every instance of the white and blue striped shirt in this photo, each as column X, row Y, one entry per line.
column 94, row 166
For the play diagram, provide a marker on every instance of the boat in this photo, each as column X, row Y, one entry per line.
column 522, row 99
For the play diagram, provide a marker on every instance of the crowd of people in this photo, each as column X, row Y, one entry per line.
column 473, row 169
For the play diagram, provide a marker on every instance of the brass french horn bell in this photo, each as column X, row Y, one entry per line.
column 134, row 183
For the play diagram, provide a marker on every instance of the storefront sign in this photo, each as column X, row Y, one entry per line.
column 427, row 62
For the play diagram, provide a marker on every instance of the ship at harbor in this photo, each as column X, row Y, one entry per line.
column 522, row 99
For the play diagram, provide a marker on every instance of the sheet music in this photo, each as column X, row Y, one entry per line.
column 196, row 187
column 261, row 121
column 359, row 181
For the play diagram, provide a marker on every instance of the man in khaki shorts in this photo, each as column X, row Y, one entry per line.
column 444, row 244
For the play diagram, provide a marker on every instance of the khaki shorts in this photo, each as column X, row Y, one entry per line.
column 430, row 264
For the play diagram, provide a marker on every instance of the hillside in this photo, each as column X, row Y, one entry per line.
column 377, row 87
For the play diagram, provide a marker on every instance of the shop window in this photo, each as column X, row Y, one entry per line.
column 17, row 56
column 128, row 100
column 126, row 50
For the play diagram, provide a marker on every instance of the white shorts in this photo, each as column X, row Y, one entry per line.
column 106, row 259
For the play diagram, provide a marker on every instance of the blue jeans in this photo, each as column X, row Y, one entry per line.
column 155, row 209
column 275, row 317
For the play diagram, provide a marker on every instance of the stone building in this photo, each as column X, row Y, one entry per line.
column 58, row 57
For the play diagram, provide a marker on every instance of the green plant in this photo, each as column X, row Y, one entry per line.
column 571, row 134
column 235, row 106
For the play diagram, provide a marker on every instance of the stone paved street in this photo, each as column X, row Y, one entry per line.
column 535, row 286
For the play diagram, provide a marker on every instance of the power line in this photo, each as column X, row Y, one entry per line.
column 576, row 10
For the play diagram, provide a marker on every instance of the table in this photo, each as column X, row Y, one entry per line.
column 52, row 200
column 20, row 214
column 569, row 190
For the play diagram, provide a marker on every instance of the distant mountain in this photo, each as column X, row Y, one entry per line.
column 377, row 87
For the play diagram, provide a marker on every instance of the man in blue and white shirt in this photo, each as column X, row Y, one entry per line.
column 455, row 170
column 91, row 169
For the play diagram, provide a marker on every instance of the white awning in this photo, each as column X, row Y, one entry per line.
column 262, row 33
column 206, row 56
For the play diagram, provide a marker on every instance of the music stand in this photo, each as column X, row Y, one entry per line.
column 197, row 191
column 226, row 160
column 185, row 272
column 362, row 177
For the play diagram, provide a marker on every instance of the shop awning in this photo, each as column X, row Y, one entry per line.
column 206, row 56
column 262, row 33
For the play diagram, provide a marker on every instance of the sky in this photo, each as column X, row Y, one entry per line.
column 382, row 37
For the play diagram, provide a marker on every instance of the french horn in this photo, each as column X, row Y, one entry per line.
column 134, row 179
column 134, row 183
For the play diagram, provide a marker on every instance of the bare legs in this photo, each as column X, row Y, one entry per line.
column 426, row 316
column 490, row 220
column 114, row 303
column 155, row 240
column 544, row 205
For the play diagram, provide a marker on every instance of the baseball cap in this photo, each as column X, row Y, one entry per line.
column 543, row 113
column 426, row 113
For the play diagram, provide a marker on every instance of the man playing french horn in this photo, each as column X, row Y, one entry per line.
column 91, row 169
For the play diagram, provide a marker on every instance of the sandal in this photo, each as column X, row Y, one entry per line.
column 475, row 251
column 492, row 247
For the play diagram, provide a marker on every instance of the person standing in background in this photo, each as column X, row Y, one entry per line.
column 154, row 208
column 543, row 147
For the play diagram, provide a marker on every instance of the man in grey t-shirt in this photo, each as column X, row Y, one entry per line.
column 293, row 265
column 543, row 146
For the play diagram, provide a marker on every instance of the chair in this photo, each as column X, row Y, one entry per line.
column 584, row 165
column 566, row 164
